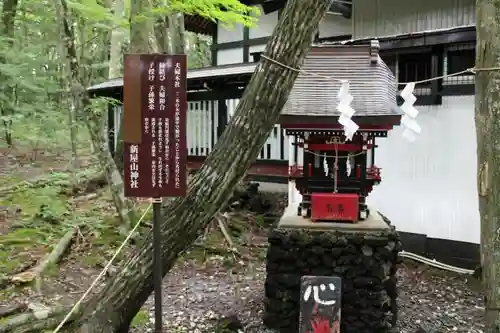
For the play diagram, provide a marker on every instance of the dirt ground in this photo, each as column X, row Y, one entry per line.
column 203, row 287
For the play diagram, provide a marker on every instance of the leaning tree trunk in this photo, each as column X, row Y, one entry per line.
column 114, row 307
column 487, row 117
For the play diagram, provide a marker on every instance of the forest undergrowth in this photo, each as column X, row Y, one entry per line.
column 58, row 230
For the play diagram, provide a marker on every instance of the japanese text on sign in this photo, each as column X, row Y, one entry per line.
column 160, row 153
column 177, row 129
column 151, row 95
column 156, row 160
column 167, row 151
column 134, row 166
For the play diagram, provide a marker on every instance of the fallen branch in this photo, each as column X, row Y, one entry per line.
column 5, row 279
column 51, row 259
column 216, row 250
column 13, row 322
column 36, row 321
column 87, row 197
column 6, row 311
column 223, row 228
column 24, row 267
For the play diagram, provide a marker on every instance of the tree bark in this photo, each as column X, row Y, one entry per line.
column 487, row 118
column 9, row 11
column 186, row 218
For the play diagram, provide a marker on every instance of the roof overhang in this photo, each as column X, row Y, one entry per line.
column 343, row 7
column 461, row 34
column 197, row 79
column 307, row 122
column 199, row 25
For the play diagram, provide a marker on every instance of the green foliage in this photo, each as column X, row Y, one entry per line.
column 34, row 93
column 228, row 12
column 140, row 319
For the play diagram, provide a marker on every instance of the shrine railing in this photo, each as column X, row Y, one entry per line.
column 203, row 122
column 297, row 171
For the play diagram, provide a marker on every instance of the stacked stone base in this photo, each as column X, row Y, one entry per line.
column 366, row 261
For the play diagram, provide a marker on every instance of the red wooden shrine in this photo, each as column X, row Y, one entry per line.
column 336, row 176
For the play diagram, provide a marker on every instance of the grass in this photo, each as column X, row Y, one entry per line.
column 47, row 212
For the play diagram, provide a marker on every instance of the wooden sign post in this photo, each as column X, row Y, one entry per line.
column 320, row 304
column 154, row 138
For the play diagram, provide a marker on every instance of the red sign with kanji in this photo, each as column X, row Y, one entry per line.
column 154, row 136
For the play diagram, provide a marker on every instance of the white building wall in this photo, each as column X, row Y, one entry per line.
column 378, row 18
column 334, row 25
column 226, row 34
column 265, row 26
column 230, row 56
column 331, row 26
column 429, row 186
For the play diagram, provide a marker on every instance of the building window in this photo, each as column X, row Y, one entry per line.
column 391, row 62
column 414, row 67
column 460, row 60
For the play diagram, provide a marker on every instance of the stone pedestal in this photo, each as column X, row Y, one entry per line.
column 365, row 255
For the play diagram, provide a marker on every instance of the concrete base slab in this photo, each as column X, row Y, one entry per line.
column 290, row 219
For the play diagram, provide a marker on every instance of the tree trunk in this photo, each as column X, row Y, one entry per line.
column 487, row 117
column 141, row 31
column 161, row 29
column 176, row 31
column 73, row 132
column 186, row 218
column 9, row 11
column 123, row 206
column 93, row 120
column 117, row 38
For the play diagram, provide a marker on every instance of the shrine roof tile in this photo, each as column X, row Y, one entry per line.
column 371, row 82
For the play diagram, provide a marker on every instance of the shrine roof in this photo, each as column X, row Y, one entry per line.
column 371, row 82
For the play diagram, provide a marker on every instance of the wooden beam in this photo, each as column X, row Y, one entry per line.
column 331, row 122
column 214, row 95
column 425, row 39
column 240, row 43
column 246, row 47
column 215, row 33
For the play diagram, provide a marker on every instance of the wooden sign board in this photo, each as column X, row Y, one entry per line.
column 154, row 125
column 320, row 304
